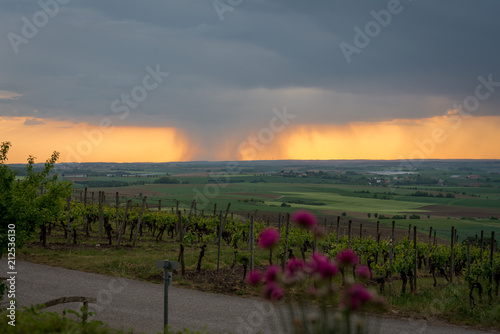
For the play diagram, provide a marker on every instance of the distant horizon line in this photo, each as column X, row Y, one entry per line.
column 250, row 161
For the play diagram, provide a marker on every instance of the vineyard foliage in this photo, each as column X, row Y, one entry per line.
column 427, row 257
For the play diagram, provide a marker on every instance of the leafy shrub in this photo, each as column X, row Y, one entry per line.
column 166, row 180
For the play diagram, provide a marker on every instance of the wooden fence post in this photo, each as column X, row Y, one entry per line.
column 409, row 237
column 338, row 227
column 482, row 247
column 219, row 242
column 391, row 254
column 122, row 228
column 429, row 247
column 349, row 234
column 378, row 242
column 287, row 231
column 416, row 257
column 181, row 244
column 279, row 224
column 101, row 219
column 68, row 208
column 452, row 255
column 492, row 249
column 139, row 222
column 117, row 210
column 85, row 222
column 251, row 240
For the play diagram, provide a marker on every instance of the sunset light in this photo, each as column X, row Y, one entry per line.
column 84, row 143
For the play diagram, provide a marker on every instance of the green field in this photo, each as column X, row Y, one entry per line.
column 325, row 188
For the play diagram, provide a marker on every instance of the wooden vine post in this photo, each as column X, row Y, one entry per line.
column 181, row 244
column 492, row 250
column 139, row 223
column 219, row 241
column 121, row 230
column 68, row 208
column 101, row 219
column 452, row 253
column 338, row 228
column 429, row 248
column 85, row 221
column 416, row 257
column 287, row 232
column 117, row 207
column 251, row 239
column 349, row 229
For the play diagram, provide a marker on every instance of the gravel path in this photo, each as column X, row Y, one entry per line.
column 124, row 303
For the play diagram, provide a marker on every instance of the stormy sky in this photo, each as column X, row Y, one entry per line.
column 225, row 65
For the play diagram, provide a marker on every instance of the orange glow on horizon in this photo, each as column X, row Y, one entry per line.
column 441, row 137
column 445, row 137
column 88, row 143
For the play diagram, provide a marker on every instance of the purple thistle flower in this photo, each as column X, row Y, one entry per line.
column 273, row 292
column 254, row 277
column 272, row 273
column 268, row 238
column 304, row 219
column 357, row 296
column 363, row 272
column 293, row 267
column 347, row 257
column 322, row 265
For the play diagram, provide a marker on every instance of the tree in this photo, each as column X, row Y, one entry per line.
column 21, row 205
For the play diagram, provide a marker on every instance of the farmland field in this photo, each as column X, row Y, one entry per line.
column 441, row 194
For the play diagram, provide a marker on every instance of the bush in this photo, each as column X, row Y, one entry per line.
column 166, row 180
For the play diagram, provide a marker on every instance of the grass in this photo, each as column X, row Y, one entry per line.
column 35, row 322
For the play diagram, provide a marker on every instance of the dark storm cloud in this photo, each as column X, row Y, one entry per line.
column 233, row 72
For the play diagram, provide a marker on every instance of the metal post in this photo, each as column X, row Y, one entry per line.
column 167, row 281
